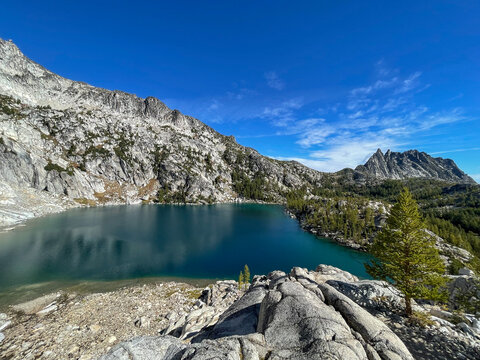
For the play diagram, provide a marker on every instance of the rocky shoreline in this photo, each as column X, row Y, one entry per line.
column 329, row 307
column 447, row 251
column 335, row 236
column 11, row 218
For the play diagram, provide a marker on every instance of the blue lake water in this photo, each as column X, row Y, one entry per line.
column 134, row 241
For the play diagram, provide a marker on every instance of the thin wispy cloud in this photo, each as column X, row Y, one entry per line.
column 239, row 94
column 283, row 114
column 476, row 177
column 456, row 97
column 231, row 106
column 454, row 151
column 383, row 114
column 382, row 70
column 274, row 81
column 214, row 105
column 409, row 83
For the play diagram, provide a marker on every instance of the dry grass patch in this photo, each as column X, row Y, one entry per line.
column 85, row 201
column 148, row 188
column 113, row 191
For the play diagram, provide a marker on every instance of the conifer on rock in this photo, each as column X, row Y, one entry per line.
column 240, row 280
column 406, row 256
column 246, row 274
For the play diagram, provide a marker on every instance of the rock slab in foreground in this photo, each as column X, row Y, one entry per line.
column 280, row 317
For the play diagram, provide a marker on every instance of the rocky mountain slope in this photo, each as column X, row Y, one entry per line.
column 64, row 143
column 412, row 164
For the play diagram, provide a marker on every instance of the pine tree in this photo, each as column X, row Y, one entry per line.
column 246, row 274
column 467, row 299
column 405, row 255
column 240, row 280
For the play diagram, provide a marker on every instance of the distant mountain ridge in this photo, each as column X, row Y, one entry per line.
column 412, row 164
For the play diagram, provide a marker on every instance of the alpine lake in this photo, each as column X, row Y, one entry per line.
column 102, row 248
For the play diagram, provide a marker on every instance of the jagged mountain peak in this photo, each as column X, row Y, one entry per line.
column 412, row 164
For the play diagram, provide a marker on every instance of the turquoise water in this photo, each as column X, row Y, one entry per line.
column 134, row 241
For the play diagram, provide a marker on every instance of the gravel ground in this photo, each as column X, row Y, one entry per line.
column 86, row 326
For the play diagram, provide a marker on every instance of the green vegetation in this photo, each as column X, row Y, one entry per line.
column 452, row 211
column 10, row 106
column 469, row 299
column 406, row 256
column 94, row 151
column 455, row 235
column 209, row 200
column 209, row 163
column 72, row 150
column 247, row 188
column 421, row 319
column 244, row 277
column 166, row 196
column 123, row 148
column 160, row 154
column 455, row 265
column 351, row 217
column 246, row 274
column 51, row 166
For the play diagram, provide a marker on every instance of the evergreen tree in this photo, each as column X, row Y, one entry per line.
column 246, row 274
column 469, row 299
column 240, row 280
column 405, row 255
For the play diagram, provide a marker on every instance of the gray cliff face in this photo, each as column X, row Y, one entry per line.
column 65, row 143
column 412, row 164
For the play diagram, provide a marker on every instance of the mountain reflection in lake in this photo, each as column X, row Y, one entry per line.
column 123, row 242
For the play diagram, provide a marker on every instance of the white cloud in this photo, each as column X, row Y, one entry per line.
column 454, row 151
column 476, row 177
column 382, row 69
column 351, row 151
column 393, row 103
column 274, row 81
column 315, row 135
column 383, row 114
column 214, row 105
column 239, row 94
column 282, row 115
column 456, row 97
column 437, row 119
column 409, row 83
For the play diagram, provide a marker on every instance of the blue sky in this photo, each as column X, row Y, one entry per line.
column 322, row 82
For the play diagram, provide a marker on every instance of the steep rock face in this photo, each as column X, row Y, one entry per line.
column 412, row 164
column 68, row 143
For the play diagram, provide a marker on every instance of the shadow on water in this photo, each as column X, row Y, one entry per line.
column 188, row 242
